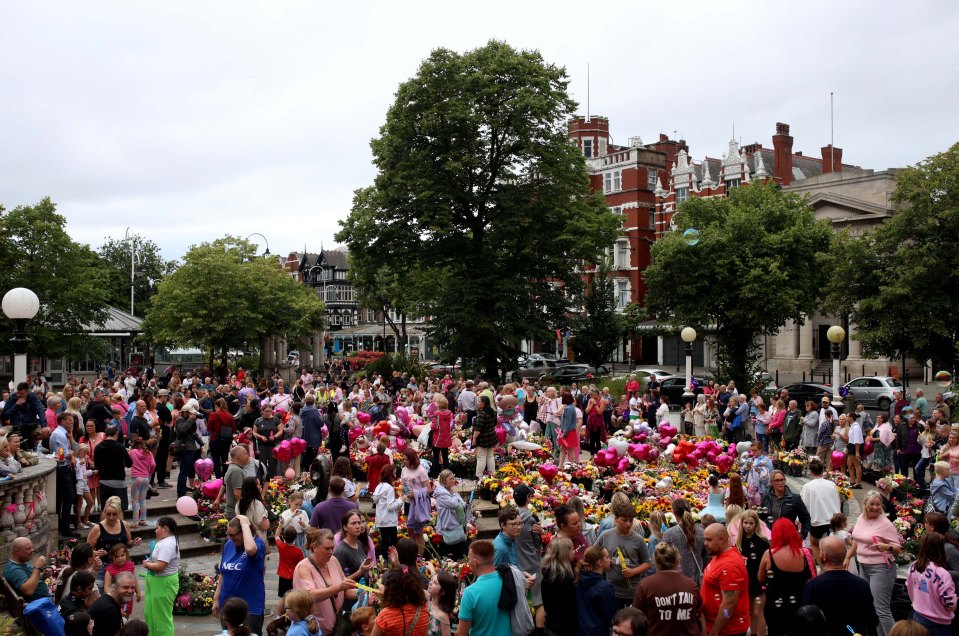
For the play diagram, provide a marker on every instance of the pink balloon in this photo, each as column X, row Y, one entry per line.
column 212, row 488
column 403, row 415
column 868, row 449
column 186, row 506
column 501, row 434
column 285, row 443
column 290, row 474
column 203, row 468
column 548, row 472
column 622, row 465
column 653, row 454
column 364, row 418
column 838, row 459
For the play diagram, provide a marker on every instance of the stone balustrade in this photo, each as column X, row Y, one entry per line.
column 26, row 505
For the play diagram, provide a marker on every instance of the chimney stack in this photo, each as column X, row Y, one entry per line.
column 831, row 159
column 783, row 153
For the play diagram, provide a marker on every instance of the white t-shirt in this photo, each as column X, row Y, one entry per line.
column 299, row 521
column 168, row 551
column 349, row 488
column 635, row 404
column 822, row 500
column 855, row 434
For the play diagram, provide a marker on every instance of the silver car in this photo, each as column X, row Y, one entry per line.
column 875, row 392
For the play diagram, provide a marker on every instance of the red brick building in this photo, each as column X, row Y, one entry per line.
column 644, row 183
column 738, row 166
column 628, row 176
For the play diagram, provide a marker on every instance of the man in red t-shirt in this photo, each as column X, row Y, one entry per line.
column 725, row 591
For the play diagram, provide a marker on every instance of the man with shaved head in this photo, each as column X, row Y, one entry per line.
column 725, row 591
column 843, row 597
column 25, row 577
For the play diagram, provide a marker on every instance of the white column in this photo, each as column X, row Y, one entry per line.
column 281, row 351
column 855, row 348
column 805, row 340
column 659, row 350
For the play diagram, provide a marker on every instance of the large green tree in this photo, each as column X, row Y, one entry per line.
column 37, row 253
column 481, row 203
column 598, row 328
column 897, row 283
column 149, row 270
column 224, row 297
column 761, row 259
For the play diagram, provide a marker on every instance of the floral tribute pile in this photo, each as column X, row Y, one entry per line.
column 195, row 596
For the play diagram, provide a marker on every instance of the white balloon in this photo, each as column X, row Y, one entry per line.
column 620, row 445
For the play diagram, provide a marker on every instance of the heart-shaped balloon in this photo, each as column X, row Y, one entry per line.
column 548, row 472
column 402, row 414
column 622, row 465
column 364, row 418
column 620, row 445
column 867, row 450
column 212, row 488
column 653, row 455
column 203, row 468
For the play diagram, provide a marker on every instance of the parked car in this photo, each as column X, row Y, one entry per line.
column 875, row 392
column 644, row 373
column 552, row 357
column 675, row 385
column 532, row 369
column 802, row 391
column 442, row 368
column 569, row 373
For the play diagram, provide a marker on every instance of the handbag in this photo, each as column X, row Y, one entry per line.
column 342, row 626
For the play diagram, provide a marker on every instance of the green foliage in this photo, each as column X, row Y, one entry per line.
column 762, row 259
column 898, row 284
column 37, row 253
column 598, row 329
column 385, row 366
column 149, row 271
column 224, row 297
column 481, row 202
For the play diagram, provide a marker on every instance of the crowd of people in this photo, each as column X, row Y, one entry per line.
column 760, row 558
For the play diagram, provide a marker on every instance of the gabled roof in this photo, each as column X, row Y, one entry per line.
column 117, row 321
column 339, row 259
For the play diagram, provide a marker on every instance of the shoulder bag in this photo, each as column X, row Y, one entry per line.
column 342, row 625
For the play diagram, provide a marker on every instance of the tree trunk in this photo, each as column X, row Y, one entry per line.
column 491, row 364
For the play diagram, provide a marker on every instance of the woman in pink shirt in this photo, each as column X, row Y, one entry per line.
column 876, row 543
column 930, row 587
column 143, row 466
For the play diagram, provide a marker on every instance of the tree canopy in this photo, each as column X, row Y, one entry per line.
column 598, row 328
column 761, row 259
column 37, row 253
column 481, row 204
column 897, row 284
column 149, row 271
column 225, row 297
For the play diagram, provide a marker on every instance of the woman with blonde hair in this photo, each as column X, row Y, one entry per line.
column 299, row 609
column 559, row 588
column 752, row 540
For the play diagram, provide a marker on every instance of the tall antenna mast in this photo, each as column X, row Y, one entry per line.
column 734, row 130
column 587, row 92
column 832, row 148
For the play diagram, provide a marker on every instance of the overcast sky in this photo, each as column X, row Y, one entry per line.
column 188, row 120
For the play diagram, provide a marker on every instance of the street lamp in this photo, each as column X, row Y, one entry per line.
column 20, row 305
column 267, row 252
column 836, row 335
column 688, row 334
column 132, row 240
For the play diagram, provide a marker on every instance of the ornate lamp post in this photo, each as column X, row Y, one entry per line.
column 688, row 334
column 20, row 305
column 267, row 252
column 836, row 335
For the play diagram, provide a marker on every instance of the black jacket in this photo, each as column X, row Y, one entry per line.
column 110, row 459
column 789, row 506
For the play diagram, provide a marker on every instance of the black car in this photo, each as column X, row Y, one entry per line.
column 574, row 373
column 675, row 385
column 803, row 391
